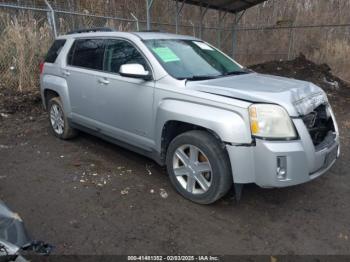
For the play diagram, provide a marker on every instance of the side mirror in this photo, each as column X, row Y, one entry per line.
column 135, row 71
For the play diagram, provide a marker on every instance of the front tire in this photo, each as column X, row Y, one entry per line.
column 199, row 167
column 58, row 120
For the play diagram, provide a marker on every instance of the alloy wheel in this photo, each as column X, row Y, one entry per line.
column 56, row 119
column 192, row 169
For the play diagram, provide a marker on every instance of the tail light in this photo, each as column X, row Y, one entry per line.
column 41, row 67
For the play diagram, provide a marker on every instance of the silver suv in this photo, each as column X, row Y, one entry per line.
column 191, row 108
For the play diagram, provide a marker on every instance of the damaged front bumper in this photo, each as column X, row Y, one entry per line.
column 283, row 163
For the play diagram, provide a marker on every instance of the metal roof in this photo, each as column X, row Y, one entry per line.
column 232, row 6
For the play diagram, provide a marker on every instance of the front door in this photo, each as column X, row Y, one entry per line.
column 124, row 104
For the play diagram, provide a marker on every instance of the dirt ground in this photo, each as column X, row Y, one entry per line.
column 86, row 196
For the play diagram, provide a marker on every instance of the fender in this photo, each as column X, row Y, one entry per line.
column 229, row 125
column 60, row 86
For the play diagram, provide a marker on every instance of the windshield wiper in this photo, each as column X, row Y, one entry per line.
column 237, row 73
column 199, row 77
column 207, row 77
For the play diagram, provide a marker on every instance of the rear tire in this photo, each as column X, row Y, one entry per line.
column 199, row 167
column 58, row 120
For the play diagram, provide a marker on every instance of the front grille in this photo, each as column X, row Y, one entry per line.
column 319, row 124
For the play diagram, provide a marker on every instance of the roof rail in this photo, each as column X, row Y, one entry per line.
column 88, row 30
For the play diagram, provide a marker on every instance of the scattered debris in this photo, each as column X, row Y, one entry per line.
column 74, row 223
column 125, row 191
column 76, row 163
column 12, row 101
column 148, row 170
column 4, row 115
column 332, row 84
column 90, row 176
column 163, row 193
column 5, row 147
column 273, row 259
column 343, row 236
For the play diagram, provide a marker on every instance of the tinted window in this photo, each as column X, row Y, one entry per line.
column 119, row 52
column 54, row 51
column 87, row 53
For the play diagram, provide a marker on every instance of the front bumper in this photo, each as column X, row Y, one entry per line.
column 303, row 162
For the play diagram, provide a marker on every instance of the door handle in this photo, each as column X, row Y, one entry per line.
column 103, row 81
column 66, row 73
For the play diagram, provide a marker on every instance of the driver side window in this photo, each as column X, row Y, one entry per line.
column 120, row 52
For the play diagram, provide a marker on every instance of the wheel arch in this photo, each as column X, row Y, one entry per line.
column 227, row 126
column 53, row 86
column 174, row 128
column 48, row 95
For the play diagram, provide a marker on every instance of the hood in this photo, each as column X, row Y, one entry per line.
column 297, row 97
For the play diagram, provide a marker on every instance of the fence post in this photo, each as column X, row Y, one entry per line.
column 237, row 19
column 221, row 17
column 291, row 41
column 234, row 40
column 52, row 18
column 178, row 12
column 137, row 21
column 149, row 4
column 203, row 12
column 193, row 28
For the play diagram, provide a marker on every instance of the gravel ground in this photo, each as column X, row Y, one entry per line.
column 86, row 196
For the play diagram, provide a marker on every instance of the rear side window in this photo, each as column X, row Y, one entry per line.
column 54, row 51
column 87, row 53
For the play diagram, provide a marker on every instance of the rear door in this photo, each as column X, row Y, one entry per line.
column 84, row 61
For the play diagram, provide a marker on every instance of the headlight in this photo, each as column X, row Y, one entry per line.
column 271, row 121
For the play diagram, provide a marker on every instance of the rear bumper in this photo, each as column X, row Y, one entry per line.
column 302, row 161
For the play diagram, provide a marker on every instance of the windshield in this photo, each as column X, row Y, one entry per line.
column 189, row 59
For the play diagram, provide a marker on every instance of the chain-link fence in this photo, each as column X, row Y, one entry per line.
column 27, row 31
column 68, row 21
column 25, row 35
